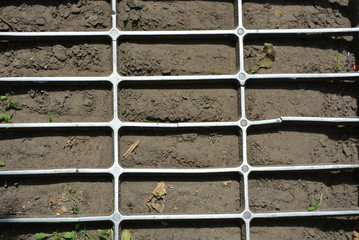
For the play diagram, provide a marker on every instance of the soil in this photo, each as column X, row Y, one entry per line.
column 181, row 148
column 185, row 194
column 303, row 145
column 314, row 54
column 60, row 58
column 190, row 101
column 186, row 102
column 59, row 148
column 273, row 192
column 70, row 102
column 304, row 228
column 298, row 14
column 177, row 57
column 27, row 231
column 28, row 196
column 52, row 15
column 267, row 100
column 174, row 230
column 176, row 15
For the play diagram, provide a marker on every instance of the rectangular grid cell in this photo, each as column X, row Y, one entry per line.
column 110, row 63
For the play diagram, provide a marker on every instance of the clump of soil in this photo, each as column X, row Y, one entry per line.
column 262, row 14
column 190, row 102
column 175, row 15
column 294, row 191
column 41, row 196
column 53, row 15
column 303, row 145
column 181, row 149
column 69, row 102
column 305, row 55
column 42, row 59
column 313, row 98
column 149, row 58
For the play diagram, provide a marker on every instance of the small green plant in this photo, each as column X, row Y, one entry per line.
column 315, row 203
column 8, row 103
column 106, row 233
column 77, row 234
column 125, row 235
column 4, row 236
column 6, row 96
column 52, row 117
column 6, row 118
column 75, row 198
column 336, row 64
column 2, row 164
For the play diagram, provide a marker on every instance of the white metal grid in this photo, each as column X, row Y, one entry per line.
column 116, row 171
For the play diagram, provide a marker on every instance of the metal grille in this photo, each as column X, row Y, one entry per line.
column 243, row 171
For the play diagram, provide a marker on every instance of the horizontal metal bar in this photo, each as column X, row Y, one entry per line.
column 305, row 120
column 302, row 31
column 180, row 171
column 178, row 33
column 306, row 214
column 55, row 34
column 305, row 168
column 181, row 217
column 320, row 119
column 56, row 125
column 55, row 79
column 178, row 78
column 295, row 76
column 54, row 219
column 180, row 124
column 54, row 171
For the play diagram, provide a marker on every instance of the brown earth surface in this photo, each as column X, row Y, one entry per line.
column 181, row 102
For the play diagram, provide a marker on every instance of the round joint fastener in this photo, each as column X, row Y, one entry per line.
column 245, row 168
column 244, row 123
column 114, row 33
column 116, row 217
column 242, row 76
column 240, row 31
column 247, row 215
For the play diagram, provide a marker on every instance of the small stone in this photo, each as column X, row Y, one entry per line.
column 67, row 14
column 60, row 52
column 41, row 21
column 75, row 10
column 166, row 72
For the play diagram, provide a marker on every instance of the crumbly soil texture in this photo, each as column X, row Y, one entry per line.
column 178, row 102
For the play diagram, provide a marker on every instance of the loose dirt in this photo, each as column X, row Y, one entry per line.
column 49, row 59
column 52, row 15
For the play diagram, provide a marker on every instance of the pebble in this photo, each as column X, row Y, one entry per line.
column 166, row 72
column 67, row 14
column 75, row 10
column 41, row 21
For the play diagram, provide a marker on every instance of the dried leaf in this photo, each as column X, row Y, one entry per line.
column 157, row 204
column 54, row 202
column 160, row 190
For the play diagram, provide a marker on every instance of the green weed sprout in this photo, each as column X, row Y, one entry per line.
column 74, row 197
column 125, row 235
column 315, row 203
column 6, row 118
column 4, row 236
column 2, row 164
column 8, row 103
column 52, row 117
column 336, row 64
column 107, row 233
column 73, row 235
